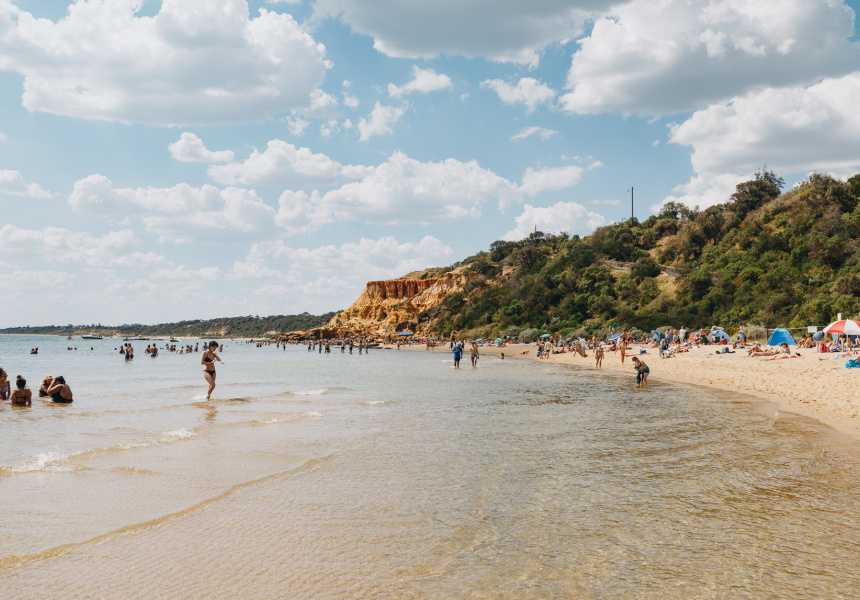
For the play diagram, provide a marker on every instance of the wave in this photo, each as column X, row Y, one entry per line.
column 374, row 402
column 57, row 462
column 315, row 392
column 313, row 414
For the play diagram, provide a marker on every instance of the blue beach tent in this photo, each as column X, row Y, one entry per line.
column 719, row 333
column 781, row 336
column 656, row 336
column 404, row 333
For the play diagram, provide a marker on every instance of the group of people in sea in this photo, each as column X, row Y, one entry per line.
column 457, row 348
column 53, row 389
column 350, row 343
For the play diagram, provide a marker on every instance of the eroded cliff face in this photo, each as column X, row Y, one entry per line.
column 383, row 305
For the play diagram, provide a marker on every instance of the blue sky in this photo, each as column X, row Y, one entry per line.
column 193, row 159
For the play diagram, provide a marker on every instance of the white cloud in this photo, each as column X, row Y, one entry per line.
column 791, row 129
column 297, row 126
column 674, row 55
column 366, row 260
column 3, row 137
column 181, row 213
column 350, row 101
column 399, row 191
column 528, row 91
column 42, row 280
column 59, row 245
column 562, row 217
column 280, row 164
column 13, row 184
column 381, row 120
column 555, row 178
column 190, row 148
column 194, row 62
column 513, row 32
column 423, row 80
column 544, row 133
column 704, row 190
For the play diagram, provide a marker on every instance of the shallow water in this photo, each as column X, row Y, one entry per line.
column 394, row 476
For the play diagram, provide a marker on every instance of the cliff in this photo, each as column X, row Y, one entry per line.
column 386, row 307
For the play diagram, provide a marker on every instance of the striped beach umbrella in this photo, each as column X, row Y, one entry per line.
column 846, row 326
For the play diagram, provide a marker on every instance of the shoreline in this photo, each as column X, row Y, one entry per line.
column 823, row 390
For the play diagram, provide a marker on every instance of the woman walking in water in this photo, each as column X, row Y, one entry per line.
column 208, row 361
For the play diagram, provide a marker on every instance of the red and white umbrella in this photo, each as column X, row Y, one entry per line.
column 846, row 326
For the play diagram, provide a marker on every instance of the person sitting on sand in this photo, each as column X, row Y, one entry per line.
column 59, row 391
column 22, row 396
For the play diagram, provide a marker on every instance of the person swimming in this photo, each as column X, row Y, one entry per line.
column 59, row 391
column 208, row 361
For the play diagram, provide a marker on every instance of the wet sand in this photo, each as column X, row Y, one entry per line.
column 820, row 389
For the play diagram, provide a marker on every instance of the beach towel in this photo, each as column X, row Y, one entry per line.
column 852, row 363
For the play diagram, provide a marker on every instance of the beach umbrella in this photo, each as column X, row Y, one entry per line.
column 404, row 333
column 546, row 335
column 480, row 340
column 615, row 337
column 844, row 326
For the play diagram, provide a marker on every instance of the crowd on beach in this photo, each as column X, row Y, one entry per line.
column 53, row 389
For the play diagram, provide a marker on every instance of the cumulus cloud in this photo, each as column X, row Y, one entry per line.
column 181, row 213
column 194, row 62
column 381, row 121
column 793, row 129
column 674, row 55
column 12, row 183
column 542, row 132
column 60, row 245
column 281, row 164
column 190, row 148
column 350, row 101
column 554, row 178
column 42, row 280
column 402, row 190
column 562, row 217
column 423, row 80
column 704, row 190
column 528, row 91
column 368, row 259
column 515, row 32
column 297, row 125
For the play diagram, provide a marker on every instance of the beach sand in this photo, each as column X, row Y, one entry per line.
column 820, row 389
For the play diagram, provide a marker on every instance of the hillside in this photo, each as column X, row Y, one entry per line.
column 764, row 257
column 250, row 326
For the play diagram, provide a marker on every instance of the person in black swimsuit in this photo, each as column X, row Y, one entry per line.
column 208, row 361
column 59, row 391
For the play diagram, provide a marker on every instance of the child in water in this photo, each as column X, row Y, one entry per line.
column 642, row 371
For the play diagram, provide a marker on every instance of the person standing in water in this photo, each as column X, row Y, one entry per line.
column 208, row 361
column 473, row 353
column 598, row 356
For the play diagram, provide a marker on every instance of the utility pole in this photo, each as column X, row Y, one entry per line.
column 631, row 201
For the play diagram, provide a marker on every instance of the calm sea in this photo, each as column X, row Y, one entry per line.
column 392, row 475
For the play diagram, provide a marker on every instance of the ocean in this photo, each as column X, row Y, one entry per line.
column 392, row 475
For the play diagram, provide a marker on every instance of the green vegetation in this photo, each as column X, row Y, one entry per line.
column 250, row 326
column 763, row 257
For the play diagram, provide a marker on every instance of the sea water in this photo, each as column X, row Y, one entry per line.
column 392, row 475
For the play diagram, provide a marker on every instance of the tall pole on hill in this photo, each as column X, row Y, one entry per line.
column 631, row 201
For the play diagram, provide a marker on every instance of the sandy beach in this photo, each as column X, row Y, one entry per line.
column 820, row 389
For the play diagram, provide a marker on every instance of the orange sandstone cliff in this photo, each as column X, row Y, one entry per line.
column 386, row 307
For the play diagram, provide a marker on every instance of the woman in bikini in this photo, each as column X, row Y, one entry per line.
column 22, row 396
column 208, row 361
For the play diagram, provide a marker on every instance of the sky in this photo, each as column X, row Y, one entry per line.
column 193, row 159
